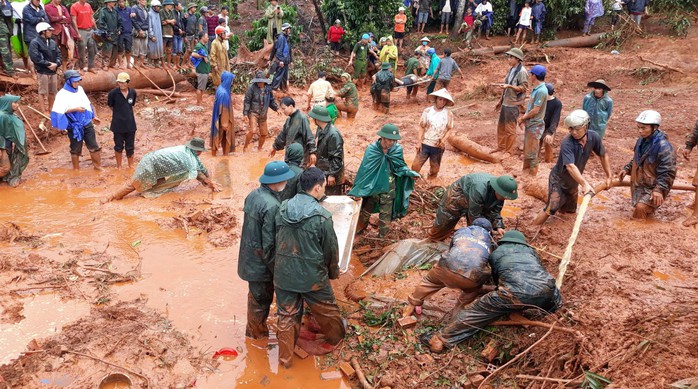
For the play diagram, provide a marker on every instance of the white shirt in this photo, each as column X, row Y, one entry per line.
column 447, row 7
column 482, row 8
column 525, row 18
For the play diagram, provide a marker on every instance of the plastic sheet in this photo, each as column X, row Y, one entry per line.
column 407, row 253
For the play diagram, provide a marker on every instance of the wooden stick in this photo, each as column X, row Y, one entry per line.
column 32, row 128
column 661, row 65
column 360, row 374
column 147, row 381
column 567, row 256
column 516, row 358
column 174, row 84
column 531, row 323
column 39, row 112
column 152, row 82
column 546, row 379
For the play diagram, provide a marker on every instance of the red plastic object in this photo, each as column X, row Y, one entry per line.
column 225, row 352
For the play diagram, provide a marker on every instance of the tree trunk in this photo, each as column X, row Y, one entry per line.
column 320, row 19
column 459, row 17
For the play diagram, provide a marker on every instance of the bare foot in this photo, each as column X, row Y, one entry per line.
column 692, row 220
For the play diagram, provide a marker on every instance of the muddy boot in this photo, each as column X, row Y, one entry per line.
column 130, row 161
column 642, row 211
column 75, row 159
column 119, row 157
column 96, row 160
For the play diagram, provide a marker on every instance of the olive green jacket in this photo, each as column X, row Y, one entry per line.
column 256, row 259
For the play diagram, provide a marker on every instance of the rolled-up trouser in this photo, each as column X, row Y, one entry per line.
column 324, row 309
column 441, row 277
column 350, row 109
column 140, row 47
column 532, row 146
column 412, row 90
column 449, row 213
column 86, row 47
column 561, row 197
column 490, row 307
column 431, row 153
column 506, row 128
column 259, row 299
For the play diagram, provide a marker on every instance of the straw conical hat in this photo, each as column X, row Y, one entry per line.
column 444, row 94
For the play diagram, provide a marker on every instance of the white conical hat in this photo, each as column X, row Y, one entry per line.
column 444, row 94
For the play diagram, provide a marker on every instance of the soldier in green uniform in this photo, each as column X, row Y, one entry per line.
column 5, row 34
column 359, row 57
column 294, row 160
column 307, row 257
column 474, row 195
column 109, row 22
column 257, row 243
column 383, row 180
column 330, row 150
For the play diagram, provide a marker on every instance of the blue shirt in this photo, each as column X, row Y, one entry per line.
column 125, row 16
column 539, row 98
column 572, row 152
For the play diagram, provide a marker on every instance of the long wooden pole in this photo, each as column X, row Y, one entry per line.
column 33, row 132
column 567, row 256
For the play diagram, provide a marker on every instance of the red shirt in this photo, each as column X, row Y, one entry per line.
column 469, row 20
column 83, row 15
column 335, row 34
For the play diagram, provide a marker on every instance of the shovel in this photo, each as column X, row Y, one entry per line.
column 33, row 132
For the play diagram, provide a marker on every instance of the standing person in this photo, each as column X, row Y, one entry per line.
column 141, row 26
column 224, row 14
column 334, row 36
column 46, row 57
column 424, row 56
column 447, row 65
column 13, row 142
column 73, row 112
column 348, row 92
column 512, row 101
column 211, row 24
column 108, row 21
column 294, row 158
column 538, row 12
column 190, row 32
column 553, row 109
column 473, row 196
column 125, row 40
column 616, row 9
column 691, row 141
column 412, row 68
column 281, row 58
column 469, row 26
column 65, row 34
column 652, row 169
column 399, row 29
column 359, row 57
column 592, row 10
column 599, row 105
column 512, row 15
column 524, row 23
column 163, row 170
column 32, row 14
column 257, row 245
column 383, row 180
column 534, row 120
column 423, row 15
column 223, row 118
column 219, row 57
column 636, row 8
column 330, row 150
column 463, row 267
column 178, row 38
column 258, row 99
column 445, row 9
column 434, row 125
column 383, row 83
column 83, row 17
column 296, row 129
column 389, row 53
column 432, row 72
column 275, row 18
column 121, row 100
column 306, row 259
column 156, row 49
column 485, row 13
column 319, row 90
column 522, row 282
column 201, row 25
column 168, row 21
column 566, row 176
column 202, row 67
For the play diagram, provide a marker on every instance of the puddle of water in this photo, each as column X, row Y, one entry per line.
column 465, row 160
column 672, row 274
column 45, row 315
column 660, row 276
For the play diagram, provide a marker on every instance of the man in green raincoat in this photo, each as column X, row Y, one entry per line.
column 307, row 257
column 383, row 181
column 330, row 150
column 256, row 259
column 162, row 170
column 13, row 142
column 294, row 160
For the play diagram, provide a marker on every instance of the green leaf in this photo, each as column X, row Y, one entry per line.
column 135, row 243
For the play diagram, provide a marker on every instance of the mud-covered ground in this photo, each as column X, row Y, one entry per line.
column 149, row 285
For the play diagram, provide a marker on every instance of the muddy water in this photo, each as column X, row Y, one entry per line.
column 194, row 284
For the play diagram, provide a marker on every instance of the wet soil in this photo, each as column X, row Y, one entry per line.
column 150, row 285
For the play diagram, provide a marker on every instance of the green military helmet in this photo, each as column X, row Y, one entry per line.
column 320, row 113
column 389, row 131
column 513, row 236
column 505, row 186
column 275, row 172
column 168, row 2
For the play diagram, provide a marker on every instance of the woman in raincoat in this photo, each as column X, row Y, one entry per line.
column 13, row 152
column 222, row 121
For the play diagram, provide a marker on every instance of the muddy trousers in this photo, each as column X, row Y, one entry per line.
column 433, row 155
column 439, row 278
column 350, row 109
column 506, row 128
column 531, row 152
column 448, row 214
column 324, row 309
column 109, row 54
column 259, row 298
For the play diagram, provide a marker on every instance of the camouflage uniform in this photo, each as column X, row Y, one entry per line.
column 5, row 34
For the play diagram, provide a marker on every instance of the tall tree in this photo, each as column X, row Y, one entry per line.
column 320, row 18
column 459, row 17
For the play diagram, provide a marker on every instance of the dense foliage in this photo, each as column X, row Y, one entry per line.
column 362, row 16
column 258, row 32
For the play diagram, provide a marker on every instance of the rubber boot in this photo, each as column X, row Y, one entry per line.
column 119, row 157
column 75, row 159
column 96, row 160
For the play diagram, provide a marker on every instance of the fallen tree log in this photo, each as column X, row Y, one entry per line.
column 490, row 51
column 578, row 41
column 462, row 143
column 156, row 92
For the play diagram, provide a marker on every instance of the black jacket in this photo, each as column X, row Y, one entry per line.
column 42, row 52
column 30, row 18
